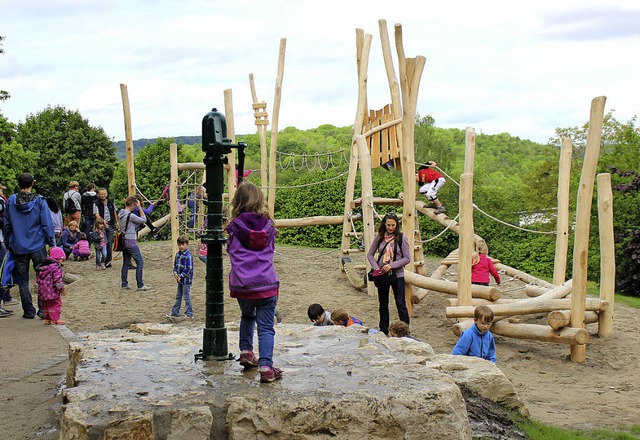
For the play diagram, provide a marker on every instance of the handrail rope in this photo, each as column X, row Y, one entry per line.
column 135, row 185
column 492, row 217
column 441, row 232
column 375, row 212
column 326, row 153
column 353, row 227
column 309, row 184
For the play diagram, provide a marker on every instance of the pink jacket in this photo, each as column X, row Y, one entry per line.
column 49, row 279
column 480, row 272
column 82, row 249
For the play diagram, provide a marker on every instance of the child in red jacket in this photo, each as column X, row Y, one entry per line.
column 481, row 267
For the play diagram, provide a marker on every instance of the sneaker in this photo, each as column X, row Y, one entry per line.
column 103, row 266
column 98, row 267
column 169, row 315
column 248, row 359
column 188, row 317
column 28, row 316
column 40, row 314
column 57, row 322
column 5, row 313
column 145, row 287
column 431, row 205
column 440, row 210
column 270, row 374
column 126, row 288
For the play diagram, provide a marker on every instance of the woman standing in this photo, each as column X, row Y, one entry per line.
column 393, row 252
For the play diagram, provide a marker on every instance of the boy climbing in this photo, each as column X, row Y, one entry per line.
column 430, row 181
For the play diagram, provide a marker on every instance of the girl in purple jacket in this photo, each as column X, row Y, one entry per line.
column 50, row 285
column 253, row 280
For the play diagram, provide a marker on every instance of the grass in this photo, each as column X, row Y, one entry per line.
column 631, row 301
column 539, row 431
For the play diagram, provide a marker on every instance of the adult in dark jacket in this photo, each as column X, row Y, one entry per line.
column 106, row 209
column 88, row 199
column 28, row 229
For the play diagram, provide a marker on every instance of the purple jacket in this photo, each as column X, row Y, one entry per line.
column 398, row 263
column 49, row 279
column 251, row 247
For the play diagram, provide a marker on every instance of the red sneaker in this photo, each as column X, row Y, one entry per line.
column 270, row 374
column 248, row 359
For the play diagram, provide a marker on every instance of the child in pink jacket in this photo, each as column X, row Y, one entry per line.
column 481, row 267
column 50, row 286
column 82, row 249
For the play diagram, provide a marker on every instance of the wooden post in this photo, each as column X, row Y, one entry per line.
column 562, row 318
column 173, row 197
column 394, row 90
column 131, row 174
column 231, row 135
column 562, row 228
column 469, row 150
column 583, row 222
column 274, row 129
column 607, row 253
column 410, row 70
column 262, row 133
column 466, row 239
column 363, row 48
column 367, row 200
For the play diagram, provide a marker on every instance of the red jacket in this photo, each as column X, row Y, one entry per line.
column 480, row 271
column 427, row 175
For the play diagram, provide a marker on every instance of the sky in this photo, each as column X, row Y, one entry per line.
column 523, row 68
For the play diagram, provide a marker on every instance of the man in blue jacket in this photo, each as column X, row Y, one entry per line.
column 28, row 229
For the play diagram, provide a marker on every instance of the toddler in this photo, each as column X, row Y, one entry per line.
column 318, row 315
column 81, row 250
column 183, row 273
column 99, row 240
column 341, row 317
column 50, row 286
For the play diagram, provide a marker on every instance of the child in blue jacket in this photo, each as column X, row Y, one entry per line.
column 478, row 340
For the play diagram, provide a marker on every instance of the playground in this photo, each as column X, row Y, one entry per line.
column 601, row 393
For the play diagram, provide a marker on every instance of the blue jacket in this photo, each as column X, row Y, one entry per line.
column 251, row 247
column 183, row 266
column 474, row 343
column 28, row 227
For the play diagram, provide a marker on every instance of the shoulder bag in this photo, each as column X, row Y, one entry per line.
column 118, row 242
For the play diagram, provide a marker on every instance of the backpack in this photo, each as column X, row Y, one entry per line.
column 70, row 205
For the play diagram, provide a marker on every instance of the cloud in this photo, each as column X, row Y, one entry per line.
column 592, row 24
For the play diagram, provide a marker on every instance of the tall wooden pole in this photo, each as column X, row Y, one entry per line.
column 173, row 197
column 231, row 134
column 367, row 200
column 394, row 89
column 410, row 70
column 363, row 48
column 469, row 150
column 131, row 174
column 274, row 128
column 466, row 239
column 562, row 228
column 607, row 254
column 262, row 133
column 583, row 222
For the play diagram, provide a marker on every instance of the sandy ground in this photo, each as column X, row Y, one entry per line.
column 601, row 393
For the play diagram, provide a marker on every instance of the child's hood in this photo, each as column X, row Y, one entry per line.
column 48, row 265
column 254, row 230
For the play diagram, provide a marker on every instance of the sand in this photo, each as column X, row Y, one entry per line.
column 601, row 393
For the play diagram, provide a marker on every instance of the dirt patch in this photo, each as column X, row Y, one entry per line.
column 601, row 393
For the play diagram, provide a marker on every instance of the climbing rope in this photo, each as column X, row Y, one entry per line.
column 288, row 160
column 441, row 232
column 309, row 184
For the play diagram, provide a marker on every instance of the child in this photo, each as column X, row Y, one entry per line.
column 99, row 240
column 400, row 329
column 50, row 285
column 341, row 317
column 482, row 266
column 318, row 315
column 183, row 273
column 430, row 182
column 68, row 238
column 253, row 280
column 478, row 340
column 82, row 249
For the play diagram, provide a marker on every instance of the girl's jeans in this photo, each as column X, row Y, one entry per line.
column 101, row 255
column 261, row 312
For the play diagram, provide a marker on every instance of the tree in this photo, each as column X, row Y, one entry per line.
column 13, row 157
column 4, row 95
column 67, row 148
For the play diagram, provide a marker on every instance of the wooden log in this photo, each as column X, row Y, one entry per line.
column 465, row 239
column 173, row 197
column 188, row 166
column 131, row 173
column 525, row 307
column 275, row 116
column 607, row 253
column 522, row 276
column 583, row 221
column 562, row 318
column 461, row 326
column 477, row 291
column 158, row 223
column 232, row 183
column 556, row 292
column 562, row 228
column 378, row 201
column 262, row 132
column 367, row 197
column 420, row 293
column 568, row 335
column 308, row 221
column 453, row 302
column 532, row 291
column 469, row 149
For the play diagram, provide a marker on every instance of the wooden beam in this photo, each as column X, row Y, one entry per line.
column 525, row 307
column 367, row 196
column 607, row 253
column 465, row 239
column 131, row 173
column 523, row 276
column 262, row 133
column 274, row 128
column 562, row 318
column 568, row 335
column 231, row 135
column 562, row 228
column 319, row 220
column 477, row 291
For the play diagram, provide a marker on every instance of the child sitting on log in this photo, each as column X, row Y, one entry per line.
column 478, row 340
column 318, row 315
column 341, row 317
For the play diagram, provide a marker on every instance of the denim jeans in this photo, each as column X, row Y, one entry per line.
column 101, row 255
column 21, row 276
column 109, row 234
column 401, row 305
column 5, row 294
column 129, row 252
column 89, row 220
column 184, row 291
column 262, row 312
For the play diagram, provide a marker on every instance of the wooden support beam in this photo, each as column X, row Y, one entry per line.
column 532, row 291
column 131, row 173
column 562, row 318
column 477, row 291
column 562, row 228
column 568, row 335
column 378, row 201
column 319, row 220
column 271, row 202
column 525, row 307
column 607, row 253
column 465, row 239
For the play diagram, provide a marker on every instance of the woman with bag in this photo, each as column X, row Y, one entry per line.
column 393, row 252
